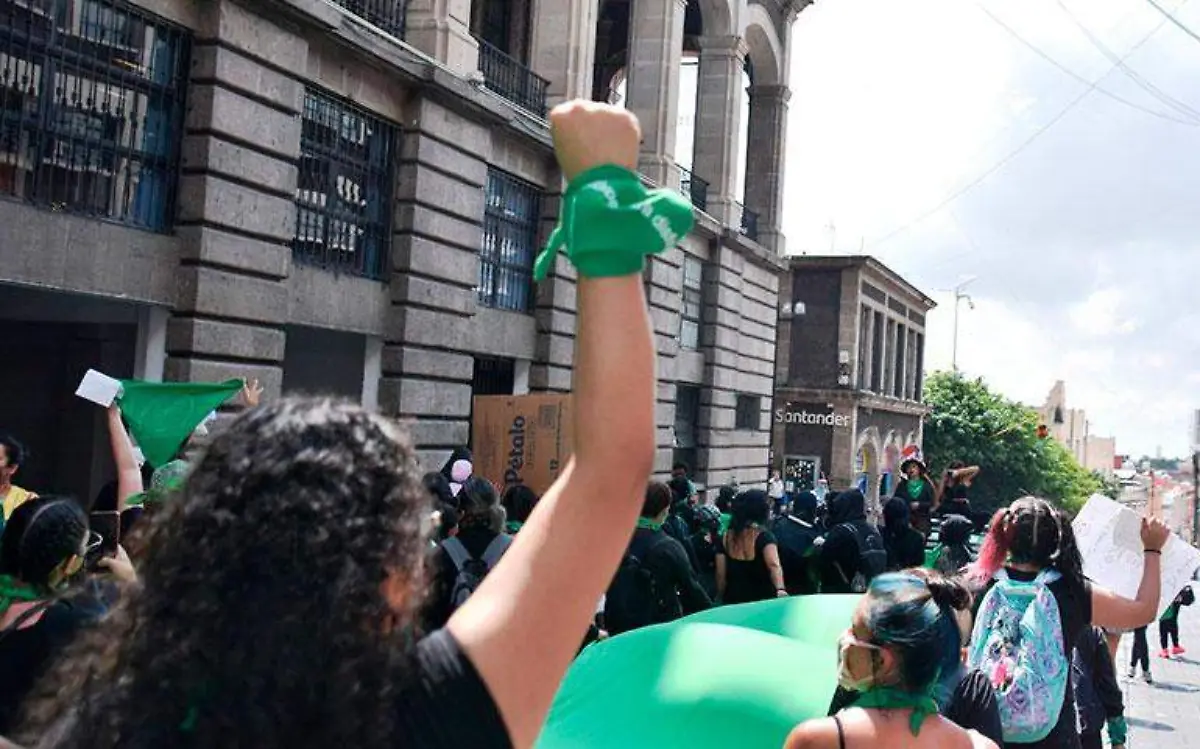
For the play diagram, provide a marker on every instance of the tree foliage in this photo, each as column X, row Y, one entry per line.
column 971, row 423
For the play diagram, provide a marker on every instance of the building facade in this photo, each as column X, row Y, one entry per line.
column 850, row 357
column 1071, row 428
column 347, row 197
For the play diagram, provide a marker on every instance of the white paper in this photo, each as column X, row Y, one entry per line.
column 99, row 388
column 1110, row 540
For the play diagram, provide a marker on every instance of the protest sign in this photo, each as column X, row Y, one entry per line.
column 98, row 388
column 1109, row 538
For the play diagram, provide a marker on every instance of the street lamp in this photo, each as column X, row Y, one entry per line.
column 959, row 296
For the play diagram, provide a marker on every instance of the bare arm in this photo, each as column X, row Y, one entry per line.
column 1112, row 611
column 129, row 474
column 774, row 566
column 721, row 576
column 523, row 626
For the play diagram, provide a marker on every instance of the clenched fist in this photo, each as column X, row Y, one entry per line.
column 588, row 134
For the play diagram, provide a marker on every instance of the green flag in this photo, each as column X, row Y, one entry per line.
column 162, row 415
column 733, row 676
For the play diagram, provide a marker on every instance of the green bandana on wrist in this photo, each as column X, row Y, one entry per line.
column 887, row 698
column 648, row 524
column 1118, row 730
column 610, row 222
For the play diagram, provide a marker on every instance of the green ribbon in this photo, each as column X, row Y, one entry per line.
column 648, row 524
column 610, row 222
column 889, row 698
column 1118, row 731
column 13, row 591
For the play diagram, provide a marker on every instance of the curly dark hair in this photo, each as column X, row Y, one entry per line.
column 42, row 534
column 278, row 600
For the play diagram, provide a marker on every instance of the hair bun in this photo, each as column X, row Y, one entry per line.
column 949, row 593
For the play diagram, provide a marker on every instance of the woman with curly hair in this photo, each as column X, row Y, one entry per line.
column 282, row 587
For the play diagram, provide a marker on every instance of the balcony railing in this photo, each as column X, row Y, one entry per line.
column 388, row 15
column 509, row 78
column 694, row 188
column 749, row 224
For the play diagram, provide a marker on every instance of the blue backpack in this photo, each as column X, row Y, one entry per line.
column 1018, row 644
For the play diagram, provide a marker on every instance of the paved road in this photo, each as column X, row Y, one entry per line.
column 1165, row 715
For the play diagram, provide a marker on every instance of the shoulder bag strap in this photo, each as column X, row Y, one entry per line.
column 458, row 553
column 496, row 549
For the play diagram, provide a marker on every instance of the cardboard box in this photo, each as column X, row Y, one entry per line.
column 521, row 438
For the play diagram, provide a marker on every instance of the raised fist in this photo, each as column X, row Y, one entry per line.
column 588, row 134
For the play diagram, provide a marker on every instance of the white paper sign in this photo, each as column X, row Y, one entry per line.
column 1110, row 539
column 99, row 388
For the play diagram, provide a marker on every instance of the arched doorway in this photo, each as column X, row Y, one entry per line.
column 867, row 469
column 891, row 464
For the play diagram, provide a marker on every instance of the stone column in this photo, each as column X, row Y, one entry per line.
column 563, row 46
column 557, row 295
column 718, row 121
column 237, row 213
column 765, row 161
column 652, row 93
column 442, row 30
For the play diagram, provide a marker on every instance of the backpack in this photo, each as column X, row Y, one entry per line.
column 872, row 558
column 1018, row 644
column 1187, row 596
column 472, row 570
column 634, row 598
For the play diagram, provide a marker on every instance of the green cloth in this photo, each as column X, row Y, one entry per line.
column 13, row 591
column 610, row 222
column 648, row 524
column 914, row 487
column 726, row 519
column 735, row 676
column 1118, row 730
column 887, row 698
column 1171, row 614
column 931, row 555
column 512, row 526
column 162, row 415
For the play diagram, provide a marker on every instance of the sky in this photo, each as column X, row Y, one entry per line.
column 925, row 134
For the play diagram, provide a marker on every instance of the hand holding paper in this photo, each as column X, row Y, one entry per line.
column 99, row 388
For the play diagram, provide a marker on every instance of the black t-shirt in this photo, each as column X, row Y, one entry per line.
column 446, row 688
column 25, row 654
column 440, row 606
column 972, row 706
column 796, row 554
column 905, row 549
column 841, row 554
column 748, row 580
column 1075, row 610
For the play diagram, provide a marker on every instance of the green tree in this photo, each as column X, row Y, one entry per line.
column 973, row 424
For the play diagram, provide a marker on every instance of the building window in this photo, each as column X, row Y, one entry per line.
column 864, row 348
column 749, row 412
column 920, row 386
column 898, row 359
column 344, row 192
column 877, row 345
column 687, row 425
column 510, row 238
column 493, row 376
column 91, row 109
column 689, row 313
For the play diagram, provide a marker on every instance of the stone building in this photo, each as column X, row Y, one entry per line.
column 1072, row 429
column 346, row 196
column 850, row 368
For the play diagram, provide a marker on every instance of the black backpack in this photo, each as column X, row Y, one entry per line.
column 872, row 557
column 635, row 599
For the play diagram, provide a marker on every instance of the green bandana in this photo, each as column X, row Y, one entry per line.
column 162, row 415
column 610, row 222
column 512, row 526
column 1118, row 730
column 14, row 591
column 648, row 524
column 915, row 487
column 888, row 698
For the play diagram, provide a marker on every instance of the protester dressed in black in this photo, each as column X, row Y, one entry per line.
column 905, row 545
column 748, row 567
column 840, row 559
column 1098, row 696
column 796, row 534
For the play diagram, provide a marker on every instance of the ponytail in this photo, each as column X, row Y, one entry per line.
column 994, row 551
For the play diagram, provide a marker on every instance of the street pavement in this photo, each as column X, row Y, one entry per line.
column 1165, row 715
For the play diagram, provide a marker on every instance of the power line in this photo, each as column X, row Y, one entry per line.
column 1091, row 86
column 1133, row 75
column 1194, row 117
column 1170, row 17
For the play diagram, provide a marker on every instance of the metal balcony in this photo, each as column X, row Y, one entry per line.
column 694, row 188
column 388, row 15
column 511, row 79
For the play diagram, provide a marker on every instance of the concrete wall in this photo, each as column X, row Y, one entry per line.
column 242, row 306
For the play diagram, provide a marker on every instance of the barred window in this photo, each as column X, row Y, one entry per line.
column 748, row 412
column 689, row 315
column 344, row 193
column 510, row 238
column 91, row 109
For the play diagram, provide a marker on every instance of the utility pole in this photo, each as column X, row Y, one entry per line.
column 1196, row 496
column 959, row 296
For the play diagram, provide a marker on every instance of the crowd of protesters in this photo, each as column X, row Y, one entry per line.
column 298, row 584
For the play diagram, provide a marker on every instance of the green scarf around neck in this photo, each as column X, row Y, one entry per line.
column 915, row 488
column 13, row 591
column 890, row 698
column 648, row 524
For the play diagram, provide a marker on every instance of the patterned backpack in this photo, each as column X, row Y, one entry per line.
column 1018, row 644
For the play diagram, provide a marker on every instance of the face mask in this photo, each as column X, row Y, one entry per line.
column 847, row 680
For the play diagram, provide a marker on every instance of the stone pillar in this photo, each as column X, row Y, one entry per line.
column 765, row 161
column 563, row 46
column 652, row 93
column 442, row 30
column 426, row 372
column 718, row 121
column 722, row 460
column 663, row 284
column 237, row 214
column 554, row 353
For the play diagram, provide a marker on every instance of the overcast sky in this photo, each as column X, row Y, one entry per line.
column 1086, row 243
